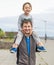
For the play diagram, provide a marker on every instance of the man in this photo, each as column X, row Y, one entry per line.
column 27, row 46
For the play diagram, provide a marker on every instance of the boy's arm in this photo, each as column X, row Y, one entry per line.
column 19, row 23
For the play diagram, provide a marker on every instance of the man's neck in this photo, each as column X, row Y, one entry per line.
column 27, row 35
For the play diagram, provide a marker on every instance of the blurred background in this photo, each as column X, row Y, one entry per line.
column 42, row 12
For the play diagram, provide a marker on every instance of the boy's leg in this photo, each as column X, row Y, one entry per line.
column 19, row 37
column 16, row 42
column 35, row 36
column 14, row 46
column 40, row 46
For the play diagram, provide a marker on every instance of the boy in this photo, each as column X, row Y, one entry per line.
column 27, row 7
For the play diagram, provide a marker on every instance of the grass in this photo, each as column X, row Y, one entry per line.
column 7, row 40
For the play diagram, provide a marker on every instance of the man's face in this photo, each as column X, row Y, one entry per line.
column 27, row 28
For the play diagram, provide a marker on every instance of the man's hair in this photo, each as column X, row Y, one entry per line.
column 27, row 3
column 26, row 21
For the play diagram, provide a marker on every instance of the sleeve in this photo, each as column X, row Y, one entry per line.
column 19, row 23
column 32, row 22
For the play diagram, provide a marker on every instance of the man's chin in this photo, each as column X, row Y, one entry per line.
column 27, row 34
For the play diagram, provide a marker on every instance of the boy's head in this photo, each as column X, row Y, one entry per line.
column 27, row 7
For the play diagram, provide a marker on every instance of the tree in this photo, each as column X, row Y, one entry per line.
column 2, row 33
column 10, row 35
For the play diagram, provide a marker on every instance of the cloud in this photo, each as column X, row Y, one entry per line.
column 14, row 7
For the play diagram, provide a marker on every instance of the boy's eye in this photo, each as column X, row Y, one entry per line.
column 27, row 8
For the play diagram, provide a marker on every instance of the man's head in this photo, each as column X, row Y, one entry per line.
column 27, row 27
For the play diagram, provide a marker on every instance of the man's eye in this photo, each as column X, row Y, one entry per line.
column 24, row 26
column 28, row 26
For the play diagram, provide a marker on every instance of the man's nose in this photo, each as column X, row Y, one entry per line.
column 27, row 27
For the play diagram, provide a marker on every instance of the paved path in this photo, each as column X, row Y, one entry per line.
column 46, row 58
column 6, row 58
column 42, row 58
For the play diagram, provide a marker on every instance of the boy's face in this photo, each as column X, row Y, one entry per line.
column 27, row 28
column 27, row 9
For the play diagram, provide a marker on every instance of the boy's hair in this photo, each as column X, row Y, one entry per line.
column 26, row 21
column 27, row 3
